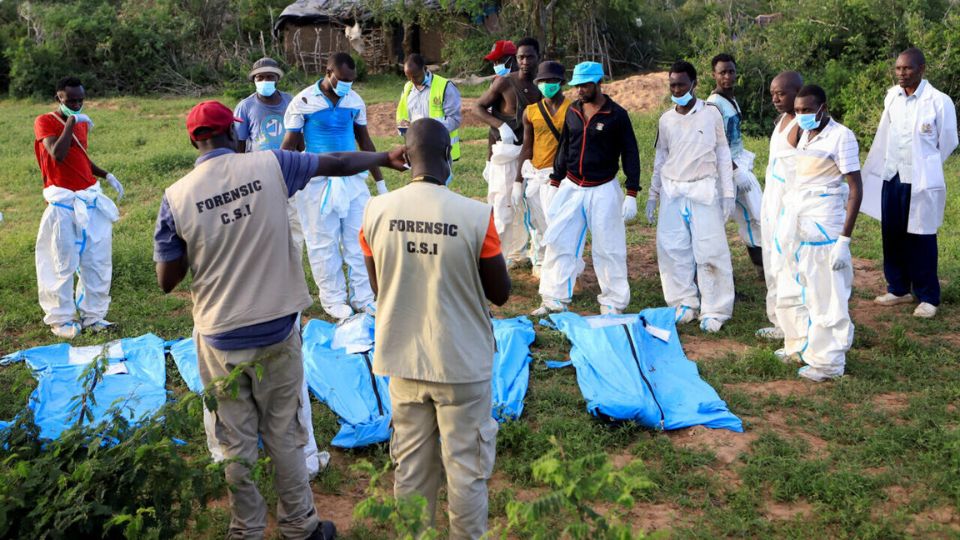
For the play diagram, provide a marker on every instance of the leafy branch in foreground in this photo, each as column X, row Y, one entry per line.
column 566, row 511
column 407, row 516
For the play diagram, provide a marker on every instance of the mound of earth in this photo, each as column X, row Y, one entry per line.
column 638, row 94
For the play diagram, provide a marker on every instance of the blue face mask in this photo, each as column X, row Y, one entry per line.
column 809, row 121
column 449, row 176
column 266, row 88
column 342, row 88
column 501, row 70
column 682, row 100
column 427, row 78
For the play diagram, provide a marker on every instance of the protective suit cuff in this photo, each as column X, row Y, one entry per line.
column 843, row 239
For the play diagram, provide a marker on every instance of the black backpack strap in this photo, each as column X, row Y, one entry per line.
column 548, row 119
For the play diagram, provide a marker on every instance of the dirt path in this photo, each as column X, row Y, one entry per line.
column 638, row 94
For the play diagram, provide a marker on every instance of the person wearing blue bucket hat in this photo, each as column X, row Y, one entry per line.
column 597, row 138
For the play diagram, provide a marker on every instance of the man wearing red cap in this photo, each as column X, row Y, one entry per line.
column 501, row 107
column 226, row 222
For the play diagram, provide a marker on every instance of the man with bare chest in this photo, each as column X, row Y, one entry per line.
column 501, row 107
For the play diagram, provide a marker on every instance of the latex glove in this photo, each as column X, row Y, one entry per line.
column 840, row 254
column 116, row 185
column 382, row 187
column 651, row 210
column 80, row 117
column 629, row 208
column 517, row 196
column 727, row 205
column 547, row 195
column 742, row 178
column 507, row 136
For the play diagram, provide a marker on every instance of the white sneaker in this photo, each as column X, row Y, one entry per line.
column 890, row 299
column 770, row 332
column 710, row 325
column 68, row 330
column 782, row 356
column 925, row 311
column 339, row 311
column 547, row 308
column 685, row 314
column 98, row 326
column 814, row 374
column 607, row 310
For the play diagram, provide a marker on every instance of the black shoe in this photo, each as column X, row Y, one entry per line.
column 326, row 530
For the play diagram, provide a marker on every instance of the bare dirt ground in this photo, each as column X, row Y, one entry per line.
column 638, row 94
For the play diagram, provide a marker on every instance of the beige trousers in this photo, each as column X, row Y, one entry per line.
column 448, row 424
column 266, row 408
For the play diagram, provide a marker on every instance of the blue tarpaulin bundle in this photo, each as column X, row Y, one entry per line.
column 133, row 382
column 338, row 367
column 632, row 367
column 511, row 366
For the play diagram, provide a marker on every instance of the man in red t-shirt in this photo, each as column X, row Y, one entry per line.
column 76, row 229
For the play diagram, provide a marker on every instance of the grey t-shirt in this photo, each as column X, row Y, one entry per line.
column 262, row 124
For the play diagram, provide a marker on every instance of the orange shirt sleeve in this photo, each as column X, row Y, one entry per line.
column 46, row 126
column 491, row 242
column 364, row 246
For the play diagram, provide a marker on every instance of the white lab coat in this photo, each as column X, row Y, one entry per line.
column 931, row 148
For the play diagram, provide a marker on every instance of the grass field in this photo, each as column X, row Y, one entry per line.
column 875, row 454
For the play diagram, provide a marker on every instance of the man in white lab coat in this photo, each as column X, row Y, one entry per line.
column 904, row 185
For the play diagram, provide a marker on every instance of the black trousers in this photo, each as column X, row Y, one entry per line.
column 909, row 260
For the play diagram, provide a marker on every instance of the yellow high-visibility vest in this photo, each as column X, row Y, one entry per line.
column 437, row 88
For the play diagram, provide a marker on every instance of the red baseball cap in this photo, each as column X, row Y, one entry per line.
column 500, row 49
column 212, row 115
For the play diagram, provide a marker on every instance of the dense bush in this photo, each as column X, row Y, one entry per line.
column 133, row 47
column 111, row 480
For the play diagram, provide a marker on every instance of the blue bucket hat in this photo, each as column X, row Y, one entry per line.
column 586, row 72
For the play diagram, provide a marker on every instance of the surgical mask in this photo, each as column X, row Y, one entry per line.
column 449, row 176
column 266, row 88
column 549, row 89
column 501, row 70
column 682, row 100
column 809, row 121
column 342, row 88
column 427, row 78
column 67, row 111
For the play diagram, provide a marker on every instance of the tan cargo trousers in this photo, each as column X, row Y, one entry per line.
column 265, row 407
column 436, row 423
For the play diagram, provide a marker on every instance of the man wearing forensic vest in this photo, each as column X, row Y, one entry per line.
column 904, row 186
column 426, row 95
column 434, row 259
column 226, row 222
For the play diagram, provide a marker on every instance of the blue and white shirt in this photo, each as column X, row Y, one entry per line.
column 326, row 127
column 730, row 110
column 262, row 122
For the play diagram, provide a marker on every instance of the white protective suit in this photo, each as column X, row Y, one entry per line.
column 535, row 218
column 331, row 213
column 781, row 166
column 930, row 149
column 749, row 204
column 692, row 171
column 75, row 237
column 500, row 174
column 815, row 318
column 573, row 211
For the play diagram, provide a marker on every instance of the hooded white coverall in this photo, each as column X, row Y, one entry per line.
column 511, row 222
column 535, row 217
column 75, row 237
column 692, row 171
column 573, row 210
column 781, row 168
column 811, row 218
